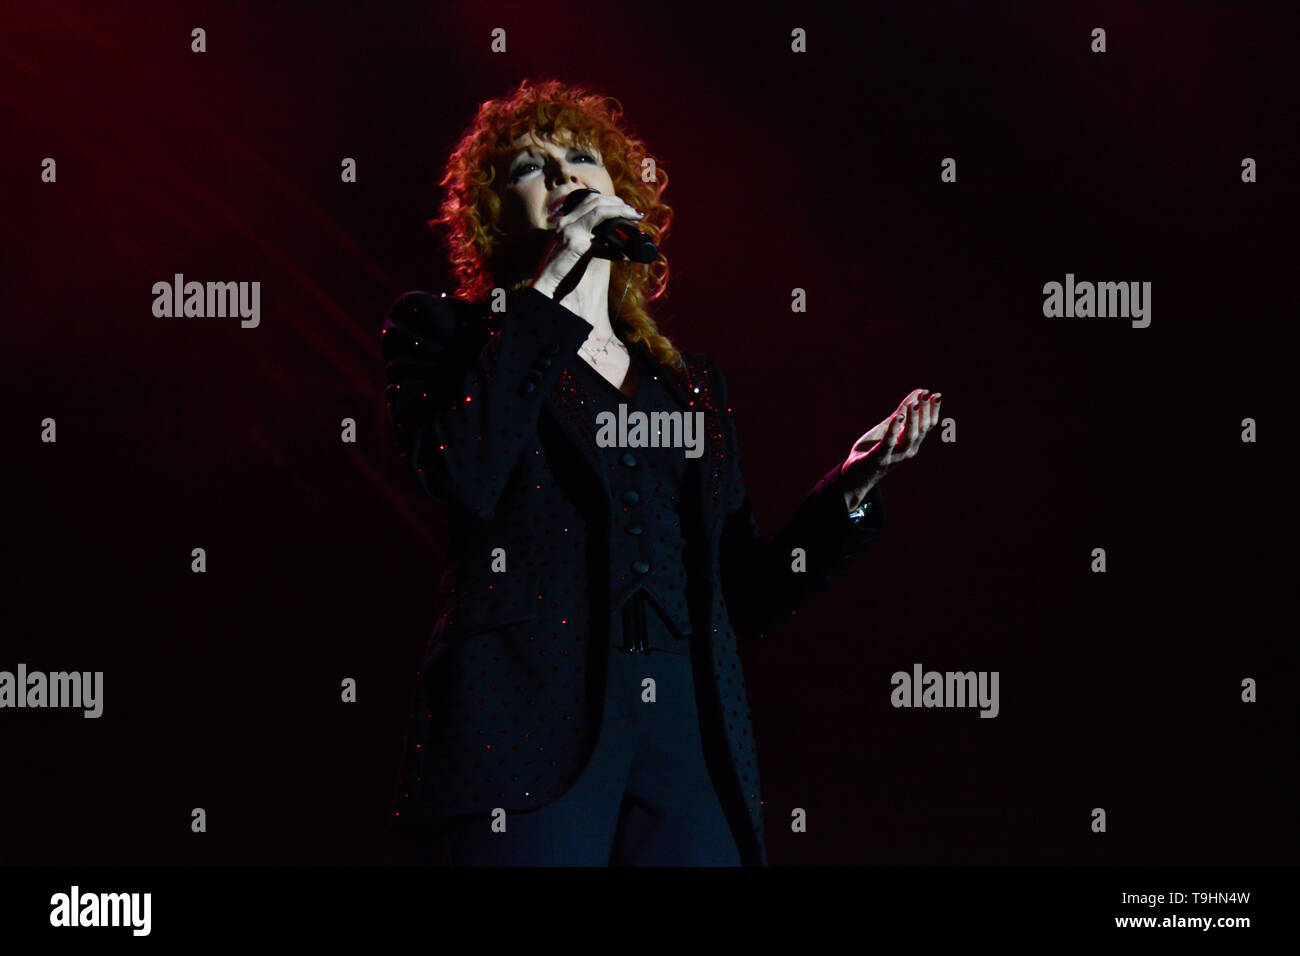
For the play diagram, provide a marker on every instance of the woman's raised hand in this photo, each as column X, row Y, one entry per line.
column 573, row 245
column 895, row 439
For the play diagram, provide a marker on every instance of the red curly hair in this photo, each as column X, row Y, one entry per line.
column 471, row 210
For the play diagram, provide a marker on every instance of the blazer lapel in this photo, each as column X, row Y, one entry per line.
column 578, row 423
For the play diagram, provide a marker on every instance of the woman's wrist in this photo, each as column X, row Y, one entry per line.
column 854, row 497
column 545, row 285
column 550, row 276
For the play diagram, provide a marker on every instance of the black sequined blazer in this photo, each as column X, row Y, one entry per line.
column 507, row 701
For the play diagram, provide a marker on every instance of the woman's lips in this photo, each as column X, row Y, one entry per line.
column 555, row 206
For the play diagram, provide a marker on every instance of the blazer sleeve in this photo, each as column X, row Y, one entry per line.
column 463, row 408
column 760, row 581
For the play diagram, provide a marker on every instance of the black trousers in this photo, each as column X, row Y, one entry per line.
column 644, row 799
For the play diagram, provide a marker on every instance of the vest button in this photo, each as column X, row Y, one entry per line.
column 635, row 529
column 628, row 459
column 641, row 567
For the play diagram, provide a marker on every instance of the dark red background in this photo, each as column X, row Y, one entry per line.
column 818, row 171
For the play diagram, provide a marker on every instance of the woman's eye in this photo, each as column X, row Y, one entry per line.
column 522, row 168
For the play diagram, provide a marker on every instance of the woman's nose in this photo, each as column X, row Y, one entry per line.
column 562, row 173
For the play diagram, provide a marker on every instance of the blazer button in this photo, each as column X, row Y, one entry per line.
column 641, row 567
column 631, row 497
column 527, row 387
column 635, row 529
column 533, row 375
column 628, row 459
column 543, row 363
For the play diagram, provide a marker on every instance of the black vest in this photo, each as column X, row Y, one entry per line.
column 647, row 550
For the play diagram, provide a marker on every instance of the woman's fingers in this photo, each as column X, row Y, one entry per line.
column 924, row 402
column 913, row 429
column 603, row 205
column 922, row 410
column 576, row 226
column 929, row 412
column 905, row 406
column 898, row 433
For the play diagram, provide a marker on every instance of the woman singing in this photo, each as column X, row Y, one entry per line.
column 581, row 701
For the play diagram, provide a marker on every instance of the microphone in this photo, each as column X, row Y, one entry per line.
column 619, row 234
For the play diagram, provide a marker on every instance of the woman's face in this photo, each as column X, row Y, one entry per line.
column 539, row 174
